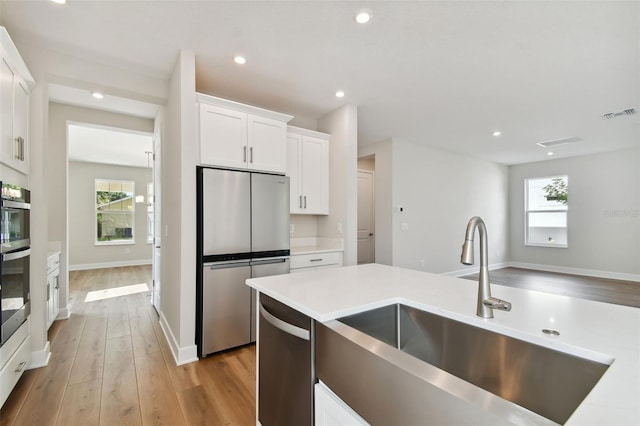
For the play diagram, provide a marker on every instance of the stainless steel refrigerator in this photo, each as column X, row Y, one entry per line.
column 243, row 232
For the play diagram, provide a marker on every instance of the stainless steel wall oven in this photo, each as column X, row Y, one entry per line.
column 15, row 250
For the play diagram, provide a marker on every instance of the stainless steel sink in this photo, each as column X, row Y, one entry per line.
column 531, row 378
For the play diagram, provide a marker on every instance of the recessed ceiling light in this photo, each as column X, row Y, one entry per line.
column 59, row 1
column 97, row 95
column 340, row 94
column 497, row 133
column 550, row 153
column 240, row 60
column 363, row 16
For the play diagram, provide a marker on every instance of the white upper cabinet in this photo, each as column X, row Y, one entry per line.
column 15, row 84
column 241, row 136
column 308, row 171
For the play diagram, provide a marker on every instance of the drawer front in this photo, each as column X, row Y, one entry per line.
column 53, row 262
column 14, row 368
column 316, row 259
column 9, row 348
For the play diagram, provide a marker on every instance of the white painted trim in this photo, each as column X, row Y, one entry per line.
column 307, row 132
column 577, row 271
column 473, row 270
column 237, row 106
column 40, row 358
column 85, row 266
column 64, row 313
column 180, row 355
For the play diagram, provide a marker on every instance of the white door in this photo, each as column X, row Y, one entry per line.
column 366, row 222
column 157, row 224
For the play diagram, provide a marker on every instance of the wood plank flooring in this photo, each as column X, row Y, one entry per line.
column 111, row 365
column 619, row 292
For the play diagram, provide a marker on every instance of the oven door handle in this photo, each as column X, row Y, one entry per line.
column 16, row 255
column 16, row 205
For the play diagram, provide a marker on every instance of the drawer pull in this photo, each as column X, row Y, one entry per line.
column 20, row 367
column 315, row 260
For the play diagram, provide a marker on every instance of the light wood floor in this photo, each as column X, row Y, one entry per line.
column 591, row 288
column 111, row 365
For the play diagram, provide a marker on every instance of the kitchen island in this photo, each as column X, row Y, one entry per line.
column 607, row 333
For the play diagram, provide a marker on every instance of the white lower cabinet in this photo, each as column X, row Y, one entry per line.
column 14, row 358
column 53, row 288
column 330, row 410
column 315, row 261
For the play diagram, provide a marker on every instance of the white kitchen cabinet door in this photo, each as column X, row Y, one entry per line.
column 315, row 175
column 332, row 411
column 267, row 142
column 14, row 108
column 6, row 113
column 21, row 126
column 294, row 160
column 223, row 137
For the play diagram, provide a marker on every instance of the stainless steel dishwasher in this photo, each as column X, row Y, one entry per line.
column 286, row 365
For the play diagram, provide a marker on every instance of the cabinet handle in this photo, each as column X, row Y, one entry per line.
column 244, row 160
column 305, row 201
column 16, row 154
column 48, row 289
column 57, row 283
column 21, row 149
column 251, row 155
column 315, row 260
column 300, row 201
column 20, row 367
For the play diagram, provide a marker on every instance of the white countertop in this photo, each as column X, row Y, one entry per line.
column 594, row 330
column 315, row 245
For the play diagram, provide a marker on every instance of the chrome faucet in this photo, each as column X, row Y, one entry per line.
column 486, row 303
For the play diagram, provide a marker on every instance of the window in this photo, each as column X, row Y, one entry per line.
column 546, row 211
column 115, row 211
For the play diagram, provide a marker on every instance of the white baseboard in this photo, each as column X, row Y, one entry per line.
column 120, row 263
column 577, row 271
column 64, row 313
column 473, row 270
column 180, row 355
column 40, row 358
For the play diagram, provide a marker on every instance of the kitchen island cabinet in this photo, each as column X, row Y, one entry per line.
column 602, row 332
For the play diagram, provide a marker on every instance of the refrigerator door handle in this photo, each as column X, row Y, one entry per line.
column 227, row 264
column 269, row 262
column 283, row 325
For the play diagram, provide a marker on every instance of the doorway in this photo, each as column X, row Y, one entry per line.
column 111, row 202
column 366, row 211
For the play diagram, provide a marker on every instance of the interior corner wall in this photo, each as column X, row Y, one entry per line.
column 342, row 125
column 383, row 198
column 439, row 192
column 178, row 212
column 603, row 217
column 83, row 252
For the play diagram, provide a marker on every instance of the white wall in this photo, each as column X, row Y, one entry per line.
column 603, row 215
column 177, row 315
column 304, row 225
column 83, row 252
column 342, row 125
column 439, row 192
column 383, row 179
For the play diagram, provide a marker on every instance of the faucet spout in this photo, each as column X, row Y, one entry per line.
column 486, row 303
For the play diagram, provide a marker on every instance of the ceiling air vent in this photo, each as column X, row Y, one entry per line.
column 612, row 115
column 557, row 142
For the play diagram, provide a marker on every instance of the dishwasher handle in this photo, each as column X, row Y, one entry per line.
column 283, row 325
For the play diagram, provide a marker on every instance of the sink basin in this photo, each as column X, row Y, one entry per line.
column 542, row 380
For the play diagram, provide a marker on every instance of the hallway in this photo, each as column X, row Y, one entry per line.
column 111, row 365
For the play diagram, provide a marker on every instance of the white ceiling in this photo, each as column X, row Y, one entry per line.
column 445, row 74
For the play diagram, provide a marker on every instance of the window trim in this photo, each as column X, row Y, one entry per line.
column 131, row 241
column 527, row 211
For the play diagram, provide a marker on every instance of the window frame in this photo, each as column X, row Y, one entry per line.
column 132, row 213
column 528, row 211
